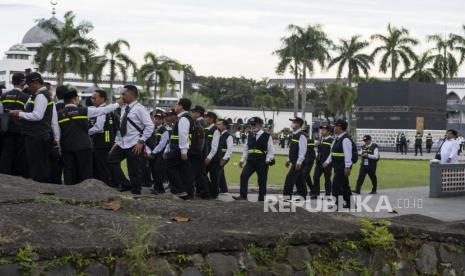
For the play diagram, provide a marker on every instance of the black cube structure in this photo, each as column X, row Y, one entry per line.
column 385, row 109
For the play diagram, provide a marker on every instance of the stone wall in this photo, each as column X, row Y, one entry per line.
column 387, row 137
column 89, row 229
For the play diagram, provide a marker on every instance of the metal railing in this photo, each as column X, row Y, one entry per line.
column 447, row 180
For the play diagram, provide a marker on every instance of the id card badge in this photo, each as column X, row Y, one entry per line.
column 365, row 162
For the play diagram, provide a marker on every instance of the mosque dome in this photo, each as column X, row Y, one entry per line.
column 18, row 47
column 38, row 35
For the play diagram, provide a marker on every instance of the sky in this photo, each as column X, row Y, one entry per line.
column 233, row 37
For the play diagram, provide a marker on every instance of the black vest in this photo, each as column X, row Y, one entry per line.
column 310, row 156
column 418, row 139
column 324, row 150
column 209, row 138
column 174, row 137
column 222, row 147
column 337, row 153
column 429, row 139
column 156, row 137
column 257, row 148
column 74, row 124
column 42, row 128
column 14, row 100
column 294, row 147
column 370, row 150
column 106, row 138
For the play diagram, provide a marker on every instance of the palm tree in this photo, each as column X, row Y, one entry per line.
column 397, row 47
column 460, row 45
column 313, row 46
column 156, row 71
column 290, row 59
column 420, row 71
column 67, row 50
column 350, row 56
column 445, row 61
column 116, row 61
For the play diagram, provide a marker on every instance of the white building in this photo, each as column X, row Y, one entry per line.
column 20, row 57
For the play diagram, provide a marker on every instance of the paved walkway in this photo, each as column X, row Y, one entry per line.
column 404, row 201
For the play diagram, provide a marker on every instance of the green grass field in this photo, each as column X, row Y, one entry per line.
column 391, row 173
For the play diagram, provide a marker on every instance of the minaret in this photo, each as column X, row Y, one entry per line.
column 54, row 3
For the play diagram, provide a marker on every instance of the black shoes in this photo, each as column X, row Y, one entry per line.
column 373, row 193
column 239, row 198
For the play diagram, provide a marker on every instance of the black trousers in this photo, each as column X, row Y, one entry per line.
column 37, row 155
column 135, row 165
column 294, row 177
column 403, row 148
column 158, row 168
column 252, row 166
column 12, row 159
column 147, row 171
column 101, row 168
column 429, row 146
column 341, row 186
column 216, row 178
column 77, row 166
column 179, row 175
column 418, row 147
column 397, row 147
column 306, row 169
column 319, row 170
column 56, row 166
column 371, row 171
column 199, row 177
column 223, row 184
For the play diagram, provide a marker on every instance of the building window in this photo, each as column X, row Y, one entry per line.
column 369, row 118
column 394, row 118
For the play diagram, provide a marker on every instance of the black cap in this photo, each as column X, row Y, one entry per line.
column 327, row 127
column 199, row 109
column 366, row 137
column 255, row 120
column 171, row 112
column 60, row 91
column 32, row 77
column 18, row 78
column 297, row 120
column 159, row 113
column 70, row 94
column 341, row 123
column 211, row 114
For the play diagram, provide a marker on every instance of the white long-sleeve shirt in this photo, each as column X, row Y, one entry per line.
column 141, row 117
column 302, row 147
column 375, row 154
column 270, row 149
column 99, row 124
column 183, row 133
column 162, row 143
column 40, row 105
column 215, row 142
column 347, row 148
column 449, row 149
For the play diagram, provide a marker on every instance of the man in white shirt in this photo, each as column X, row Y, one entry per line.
column 297, row 152
column 258, row 155
column 450, row 148
column 221, row 151
column 136, row 127
column 341, row 160
column 102, row 133
column 38, row 119
column 370, row 156
column 178, row 166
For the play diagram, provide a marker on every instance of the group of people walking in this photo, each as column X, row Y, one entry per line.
column 186, row 148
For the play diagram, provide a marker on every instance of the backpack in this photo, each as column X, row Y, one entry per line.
column 197, row 138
